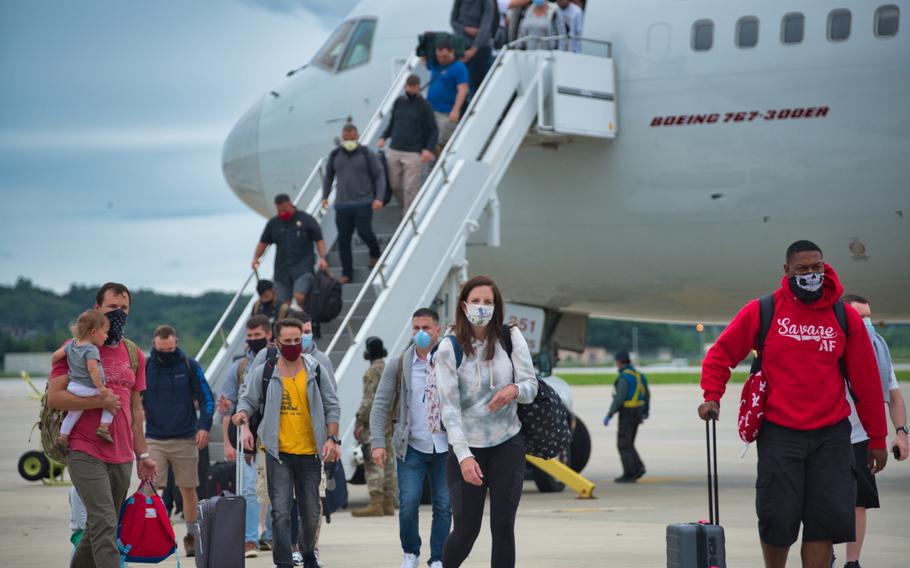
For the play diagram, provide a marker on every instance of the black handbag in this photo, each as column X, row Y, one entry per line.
column 545, row 421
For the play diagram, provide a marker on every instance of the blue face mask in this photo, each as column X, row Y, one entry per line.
column 422, row 339
column 539, row 3
column 306, row 340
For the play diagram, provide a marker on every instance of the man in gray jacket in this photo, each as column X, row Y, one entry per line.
column 419, row 452
column 361, row 190
column 298, row 426
column 474, row 22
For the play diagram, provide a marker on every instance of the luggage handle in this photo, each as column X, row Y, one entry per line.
column 711, row 444
column 238, row 466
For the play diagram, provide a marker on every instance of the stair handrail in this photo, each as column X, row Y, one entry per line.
column 408, row 220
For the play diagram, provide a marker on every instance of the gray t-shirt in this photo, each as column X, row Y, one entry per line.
column 77, row 357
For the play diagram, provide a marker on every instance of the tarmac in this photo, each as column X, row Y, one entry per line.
column 624, row 526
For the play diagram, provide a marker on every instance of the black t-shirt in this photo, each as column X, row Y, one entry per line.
column 294, row 240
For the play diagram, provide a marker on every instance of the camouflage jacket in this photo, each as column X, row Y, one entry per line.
column 370, row 384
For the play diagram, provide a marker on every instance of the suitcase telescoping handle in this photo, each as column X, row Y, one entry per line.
column 238, row 467
column 711, row 444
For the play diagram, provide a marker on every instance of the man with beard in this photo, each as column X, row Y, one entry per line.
column 805, row 459
column 100, row 470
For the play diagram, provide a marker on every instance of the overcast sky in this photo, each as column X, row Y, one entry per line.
column 112, row 117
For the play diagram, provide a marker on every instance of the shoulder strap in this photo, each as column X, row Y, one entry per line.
column 256, row 305
column 283, row 310
column 241, row 369
column 459, row 352
column 400, row 374
column 765, row 315
column 840, row 312
column 271, row 359
column 133, row 351
column 507, row 339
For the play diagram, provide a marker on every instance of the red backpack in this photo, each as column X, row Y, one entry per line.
column 144, row 532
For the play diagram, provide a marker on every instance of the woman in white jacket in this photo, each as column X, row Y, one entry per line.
column 479, row 399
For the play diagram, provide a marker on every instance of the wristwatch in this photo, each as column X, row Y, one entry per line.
column 903, row 429
column 142, row 456
column 335, row 439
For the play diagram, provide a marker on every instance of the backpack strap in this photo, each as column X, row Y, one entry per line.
column 133, row 351
column 840, row 313
column 271, row 359
column 507, row 338
column 283, row 310
column 459, row 352
column 241, row 370
column 765, row 315
column 256, row 305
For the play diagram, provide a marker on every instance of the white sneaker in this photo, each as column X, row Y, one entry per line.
column 410, row 560
column 436, row 564
column 295, row 306
column 297, row 558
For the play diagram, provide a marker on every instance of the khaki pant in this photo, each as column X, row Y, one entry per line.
column 179, row 454
column 262, row 490
column 102, row 488
column 405, row 176
column 445, row 126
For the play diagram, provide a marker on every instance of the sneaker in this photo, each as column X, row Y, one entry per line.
column 640, row 473
column 436, row 564
column 265, row 545
column 853, row 564
column 318, row 561
column 297, row 558
column 345, row 279
column 410, row 560
column 310, row 561
column 189, row 545
column 624, row 479
column 250, row 550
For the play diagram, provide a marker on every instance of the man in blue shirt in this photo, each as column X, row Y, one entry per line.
column 448, row 89
column 175, row 387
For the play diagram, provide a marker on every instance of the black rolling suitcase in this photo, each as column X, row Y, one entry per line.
column 221, row 524
column 701, row 545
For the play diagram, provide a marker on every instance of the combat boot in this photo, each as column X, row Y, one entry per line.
column 374, row 509
column 388, row 505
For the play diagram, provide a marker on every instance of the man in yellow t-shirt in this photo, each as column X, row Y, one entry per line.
column 299, row 430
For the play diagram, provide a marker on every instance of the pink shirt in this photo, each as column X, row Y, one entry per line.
column 120, row 379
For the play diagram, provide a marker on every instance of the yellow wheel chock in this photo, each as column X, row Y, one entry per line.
column 566, row 475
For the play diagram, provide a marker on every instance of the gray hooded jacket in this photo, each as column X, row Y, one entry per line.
column 322, row 400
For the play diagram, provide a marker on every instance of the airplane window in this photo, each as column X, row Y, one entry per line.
column 747, row 31
column 358, row 51
column 791, row 28
column 839, row 24
column 886, row 21
column 702, row 35
column 328, row 55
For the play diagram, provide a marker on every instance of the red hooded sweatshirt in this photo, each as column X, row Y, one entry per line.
column 801, row 361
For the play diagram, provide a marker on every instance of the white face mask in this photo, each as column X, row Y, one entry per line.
column 868, row 322
column 478, row 314
column 349, row 145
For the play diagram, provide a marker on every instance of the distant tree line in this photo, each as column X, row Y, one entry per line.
column 37, row 319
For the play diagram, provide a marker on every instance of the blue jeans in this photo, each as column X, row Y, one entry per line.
column 251, row 534
column 411, row 473
column 300, row 476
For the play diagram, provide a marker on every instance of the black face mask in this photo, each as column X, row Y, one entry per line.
column 257, row 345
column 802, row 294
column 169, row 357
column 118, row 320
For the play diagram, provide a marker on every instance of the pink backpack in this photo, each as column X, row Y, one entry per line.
column 144, row 532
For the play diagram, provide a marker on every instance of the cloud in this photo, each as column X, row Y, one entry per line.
column 112, row 139
column 326, row 10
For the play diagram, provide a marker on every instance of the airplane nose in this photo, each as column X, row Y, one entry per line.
column 240, row 160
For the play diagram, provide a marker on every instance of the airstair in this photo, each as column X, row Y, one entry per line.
column 544, row 93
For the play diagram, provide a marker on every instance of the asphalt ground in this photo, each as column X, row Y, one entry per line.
column 624, row 526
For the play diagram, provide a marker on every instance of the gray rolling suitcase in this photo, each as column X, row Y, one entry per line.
column 701, row 545
column 221, row 520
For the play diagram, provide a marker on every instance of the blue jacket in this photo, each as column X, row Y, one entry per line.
column 171, row 392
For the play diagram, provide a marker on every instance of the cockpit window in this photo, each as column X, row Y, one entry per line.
column 328, row 56
column 358, row 51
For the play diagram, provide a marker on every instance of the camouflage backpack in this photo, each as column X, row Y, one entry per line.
column 50, row 419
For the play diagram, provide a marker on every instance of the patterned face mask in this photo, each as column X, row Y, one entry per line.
column 807, row 287
column 118, row 320
column 478, row 314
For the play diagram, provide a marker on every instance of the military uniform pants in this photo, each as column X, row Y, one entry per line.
column 381, row 480
column 102, row 487
column 629, row 419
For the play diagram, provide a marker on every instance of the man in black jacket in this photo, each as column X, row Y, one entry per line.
column 412, row 128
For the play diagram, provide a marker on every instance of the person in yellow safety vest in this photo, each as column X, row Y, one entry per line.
column 631, row 399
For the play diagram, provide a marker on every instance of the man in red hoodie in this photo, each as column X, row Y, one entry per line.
column 805, row 458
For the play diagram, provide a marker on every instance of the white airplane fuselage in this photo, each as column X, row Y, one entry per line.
column 722, row 159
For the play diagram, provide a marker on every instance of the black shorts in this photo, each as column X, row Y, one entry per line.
column 805, row 477
column 866, row 490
